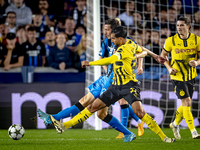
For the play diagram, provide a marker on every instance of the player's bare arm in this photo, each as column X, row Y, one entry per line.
column 158, row 58
column 171, row 70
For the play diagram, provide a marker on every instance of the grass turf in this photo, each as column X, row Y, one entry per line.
column 77, row 139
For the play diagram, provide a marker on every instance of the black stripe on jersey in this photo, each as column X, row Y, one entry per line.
column 187, row 71
column 185, row 43
column 126, row 72
column 173, row 63
column 191, row 72
column 198, row 51
column 115, row 79
column 122, row 72
column 177, row 61
column 119, row 50
column 120, row 78
column 120, row 56
column 119, row 63
column 173, row 40
column 195, row 40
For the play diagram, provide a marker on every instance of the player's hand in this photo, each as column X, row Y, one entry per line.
column 84, row 64
column 139, row 70
column 193, row 63
column 172, row 71
column 160, row 59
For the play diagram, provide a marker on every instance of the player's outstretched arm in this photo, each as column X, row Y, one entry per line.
column 158, row 58
column 101, row 62
column 171, row 70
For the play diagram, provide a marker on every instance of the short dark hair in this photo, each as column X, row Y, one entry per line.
column 20, row 27
column 31, row 28
column 186, row 19
column 119, row 31
column 11, row 12
column 113, row 22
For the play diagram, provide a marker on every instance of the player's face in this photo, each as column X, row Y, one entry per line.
column 115, row 40
column 107, row 31
column 182, row 28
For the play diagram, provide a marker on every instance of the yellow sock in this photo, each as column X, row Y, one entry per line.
column 179, row 115
column 187, row 115
column 80, row 117
column 153, row 125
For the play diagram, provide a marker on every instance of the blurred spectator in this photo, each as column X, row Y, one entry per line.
column 26, row 28
column 34, row 50
column 41, row 29
column 177, row 5
column 126, row 16
column 68, row 6
column 162, row 16
column 85, row 20
column 3, row 6
column 3, row 33
column 187, row 5
column 47, row 19
column 73, row 38
column 24, row 13
column 196, row 30
column 151, row 16
column 61, row 57
column 60, row 27
column 78, row 12
column 162, row 41
column 197, row 17
column 138, row 40
column 145, row 35
column 171, row 18
column 12, row 52
column 165, row 30
column 80, row 29
column 50, row 38
column 1, row 54
column 11, row 21
column 21, row 34
column 81, row 48
column 138, row 20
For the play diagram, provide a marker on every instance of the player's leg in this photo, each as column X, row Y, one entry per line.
column 138, row 109
column 95, row 91
column 124, row 115
column 68, row 112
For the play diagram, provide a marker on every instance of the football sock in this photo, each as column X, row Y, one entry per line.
column 179, row 115
column 187, row 115
column 124, row 114
column 153, row 126
column 69, row 112
column 80, row 117
column 114, row 123
column 133, row 115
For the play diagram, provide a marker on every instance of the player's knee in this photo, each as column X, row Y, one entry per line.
column 140, row 113
column 101, row 115
column 122, row 102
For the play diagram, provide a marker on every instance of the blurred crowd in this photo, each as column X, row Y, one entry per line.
column 39, row 38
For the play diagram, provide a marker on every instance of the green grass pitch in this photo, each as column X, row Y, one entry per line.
column 78, row 139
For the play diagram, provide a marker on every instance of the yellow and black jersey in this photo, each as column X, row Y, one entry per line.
column 182, row 52
column 124, row 67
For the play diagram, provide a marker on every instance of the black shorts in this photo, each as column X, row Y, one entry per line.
column 184, row 89
column 130, row 92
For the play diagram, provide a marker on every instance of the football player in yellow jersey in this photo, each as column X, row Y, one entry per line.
column 184, row 48
column 124, row 85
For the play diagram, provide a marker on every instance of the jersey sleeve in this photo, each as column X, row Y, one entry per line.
column 138, row 49
column 168, row 45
